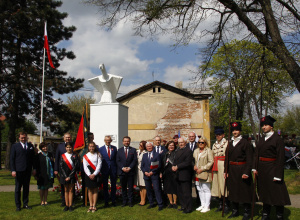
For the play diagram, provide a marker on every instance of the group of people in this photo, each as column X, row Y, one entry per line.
column 223, row 171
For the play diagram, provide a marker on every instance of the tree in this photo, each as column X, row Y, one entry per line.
column 251, row 72
column 275, row 24
column 21, row 49
column 76, row 104
column 288, row 122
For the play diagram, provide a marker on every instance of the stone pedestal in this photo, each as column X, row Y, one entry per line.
column 109, row 119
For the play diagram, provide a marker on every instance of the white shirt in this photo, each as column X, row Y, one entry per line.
column 157, row 149
column 268, row 135
column 109, row 149
column 96, row 160
column 236, row 140
column 25, row 146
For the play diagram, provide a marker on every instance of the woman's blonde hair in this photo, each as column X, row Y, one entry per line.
column 205, row 140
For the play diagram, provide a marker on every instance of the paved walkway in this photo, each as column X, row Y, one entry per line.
column 295, row 199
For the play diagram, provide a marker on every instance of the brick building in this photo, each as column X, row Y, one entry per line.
column 160, row 109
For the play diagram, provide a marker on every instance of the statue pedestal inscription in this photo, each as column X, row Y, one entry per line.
column 108, row 117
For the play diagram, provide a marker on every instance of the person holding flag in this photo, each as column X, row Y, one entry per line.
column 92, row 164
column 69, row 163
column 151, row 169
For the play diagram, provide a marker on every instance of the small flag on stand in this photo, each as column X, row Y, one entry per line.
column 46, row 46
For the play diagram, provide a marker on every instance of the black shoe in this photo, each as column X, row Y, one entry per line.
column 123, row 205
column 175, row 206
column 181, row 209
column 114, row 204
column 66, row 208
column 186, row 211
column 18, row 209
column 246, row 216
column 226, row 210
column 130, row 205
column 234, row 214
column 26, row 207
column 160, row 208
column 71, row 209
column 62, row 204
column 170, row 206
column 265, row 217
column 220, row 208
column 150, row 206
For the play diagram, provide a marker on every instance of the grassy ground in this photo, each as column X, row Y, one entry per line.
column 54, row 211
column 292, row 180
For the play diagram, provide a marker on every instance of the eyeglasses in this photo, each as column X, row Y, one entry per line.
column 201, row 142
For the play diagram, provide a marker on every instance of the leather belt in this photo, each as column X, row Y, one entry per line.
column 237, row 163
column 266, row 159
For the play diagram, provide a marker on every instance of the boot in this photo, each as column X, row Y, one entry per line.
column 220, row 207
column 235, row 210
column 279, row 212
column 227, row 206
column 266, row 212
column 247, row 208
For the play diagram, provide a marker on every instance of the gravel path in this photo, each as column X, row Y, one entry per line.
column 295, row 199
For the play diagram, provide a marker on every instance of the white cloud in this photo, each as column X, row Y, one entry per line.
column 294, row 100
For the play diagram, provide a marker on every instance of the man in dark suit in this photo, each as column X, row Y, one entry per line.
column 126, row 162
column 183, row 168
column 158, row 148
column 109, row 169
column 21, row 163
column 61, row 149
column 151, row 164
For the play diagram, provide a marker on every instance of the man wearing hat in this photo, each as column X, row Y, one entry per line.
column 238, row 161
column 268, row 166
column 218, row 182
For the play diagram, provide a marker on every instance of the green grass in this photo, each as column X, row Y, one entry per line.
column 292, row 180
column 54, row 211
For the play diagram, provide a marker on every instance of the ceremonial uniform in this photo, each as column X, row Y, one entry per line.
column 269, row 162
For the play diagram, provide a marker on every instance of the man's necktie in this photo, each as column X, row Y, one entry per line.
column 108, row 152
column 126, row 152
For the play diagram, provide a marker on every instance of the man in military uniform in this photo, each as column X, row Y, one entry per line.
column 219, row 149
column 268, row 166
column 238, row 160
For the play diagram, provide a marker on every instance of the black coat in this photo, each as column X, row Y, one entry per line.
column 184, row 162
column 66, row 172
column 21, row 159
column 269, row 191
column 41, row 169
column 240, row 190
column 130, row 161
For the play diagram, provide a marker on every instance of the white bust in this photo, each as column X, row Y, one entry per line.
column 107, row 84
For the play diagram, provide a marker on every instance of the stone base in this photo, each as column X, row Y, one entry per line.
column 109, row 119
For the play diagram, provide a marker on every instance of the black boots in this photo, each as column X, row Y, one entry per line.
column 235, row 210
column 279, row 212
column 247, row 210
column 267, row 211
column 226, row 208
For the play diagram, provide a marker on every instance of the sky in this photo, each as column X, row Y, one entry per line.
column 134, row 58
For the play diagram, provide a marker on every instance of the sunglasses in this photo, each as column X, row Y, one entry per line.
column 201, row 142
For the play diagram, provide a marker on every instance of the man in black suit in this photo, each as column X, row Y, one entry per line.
column 126, row 162
column 183, row 168
column 21, row 163
column 61, row 149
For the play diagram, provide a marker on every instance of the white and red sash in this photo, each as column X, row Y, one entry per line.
column 90, row 162
column 68, row 161
column 154, row 165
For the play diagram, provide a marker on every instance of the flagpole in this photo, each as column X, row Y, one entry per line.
column 42, row 102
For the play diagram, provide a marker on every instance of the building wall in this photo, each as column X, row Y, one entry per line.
column 164, row 113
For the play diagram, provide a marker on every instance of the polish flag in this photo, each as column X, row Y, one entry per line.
column 46, row 46
column 154, row 165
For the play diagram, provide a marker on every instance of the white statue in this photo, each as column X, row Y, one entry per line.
column 107, row 84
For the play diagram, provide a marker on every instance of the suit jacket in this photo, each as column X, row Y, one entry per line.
column 162, row 152
column 195, row 146
column 204, row 162
column 64, row 169
column 131, row 160
column 41, row 169
column 184, row 162
column 21, row 159
column 108, row 163
column 146, row 163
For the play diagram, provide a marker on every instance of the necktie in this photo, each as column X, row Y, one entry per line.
column 126, row 152
column 149, row 156
column 108, row 152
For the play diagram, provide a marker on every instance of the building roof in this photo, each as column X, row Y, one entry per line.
column 195, row 94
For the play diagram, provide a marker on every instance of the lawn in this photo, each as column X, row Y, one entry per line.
column 54, row 211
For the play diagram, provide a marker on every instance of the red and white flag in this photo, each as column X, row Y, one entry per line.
column 154, row 165
column 46, row 46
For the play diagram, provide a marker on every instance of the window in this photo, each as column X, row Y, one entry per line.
column 153, row 89
column 158, row 89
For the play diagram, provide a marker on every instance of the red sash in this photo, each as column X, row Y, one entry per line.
column 90, row 163
column 216, row 159
column 67, row 161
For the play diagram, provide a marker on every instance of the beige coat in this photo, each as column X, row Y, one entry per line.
column 140, row 175
column 204, row 162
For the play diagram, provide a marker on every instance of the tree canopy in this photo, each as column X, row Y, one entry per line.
column 21, row 51
column 275, row 24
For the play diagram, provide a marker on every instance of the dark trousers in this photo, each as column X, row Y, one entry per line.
column 127, row 181
column 113, row 182
column 22, row 180
column 156, row 187
column 184, row 192
column 83, row 184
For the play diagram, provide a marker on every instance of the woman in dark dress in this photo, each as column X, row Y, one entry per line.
column 44, row 172
column 169, row 176
column 69, row 163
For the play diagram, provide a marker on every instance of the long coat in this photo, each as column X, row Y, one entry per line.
column 184, row 162
column 41, row 169
column 240, row 190
column 204, row 162
column 271, row 192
